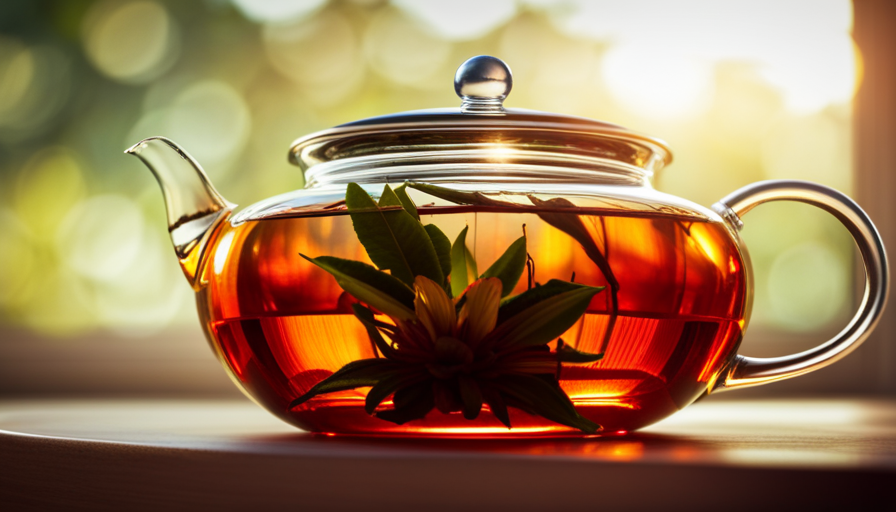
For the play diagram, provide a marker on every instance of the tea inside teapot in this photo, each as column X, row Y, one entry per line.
column 679, row 284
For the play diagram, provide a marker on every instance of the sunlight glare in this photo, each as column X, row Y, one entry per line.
column 653, row 83
column 803, row 48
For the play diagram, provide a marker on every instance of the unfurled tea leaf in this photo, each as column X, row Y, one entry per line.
column 470, row 396
column 391, row 384
column 572, row 225
column 509, row 267
column 401, row 192
column 411, row 403
column 458, row 196
column 463, row 266
column 365, row 315
column 518, row 303
column 370, row 286
column 567, row 354
column 394, row 240
column 442, row 246
column 496, row 403
column 356, row 374
column 543, row 396
column 454, row 355
column 370, row 324
column 543, row 321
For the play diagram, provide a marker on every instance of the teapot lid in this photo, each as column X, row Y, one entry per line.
column 482, row 131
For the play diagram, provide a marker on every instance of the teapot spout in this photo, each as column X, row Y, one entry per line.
column 195, row 209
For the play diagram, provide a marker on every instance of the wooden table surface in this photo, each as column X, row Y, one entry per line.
column 232, row 455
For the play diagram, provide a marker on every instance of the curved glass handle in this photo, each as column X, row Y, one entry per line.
column 751, row 371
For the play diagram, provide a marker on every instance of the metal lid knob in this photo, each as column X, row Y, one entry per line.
column 482, row 83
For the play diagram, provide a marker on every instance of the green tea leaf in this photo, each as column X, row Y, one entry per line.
column 370, row 286
column 567, row 354
column 543, row 321
column 401, row 192
column 518, row 303
column 572, row 225
column 463, row 266
column 496, row 403
column 394, row 240
column 364, row 372
column 389, row 385
column 366, row 317
column 509, row 267
column 442, row 246
column 545, row 397
column 388, row 198
column 470, row 396
column 411, row 403
column 458, row 196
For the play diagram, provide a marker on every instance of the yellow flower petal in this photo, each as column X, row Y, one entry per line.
column 479, row 313
column 434, row 308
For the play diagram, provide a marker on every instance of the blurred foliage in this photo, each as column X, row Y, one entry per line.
column 83, row 244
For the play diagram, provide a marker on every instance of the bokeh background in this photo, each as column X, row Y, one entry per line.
column 742, row 90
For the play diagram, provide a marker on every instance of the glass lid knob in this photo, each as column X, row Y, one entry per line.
column 482, row 83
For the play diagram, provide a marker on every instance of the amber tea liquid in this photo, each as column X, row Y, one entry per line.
column 280, row 324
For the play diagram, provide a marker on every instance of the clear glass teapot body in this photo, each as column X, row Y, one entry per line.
column 670, row 321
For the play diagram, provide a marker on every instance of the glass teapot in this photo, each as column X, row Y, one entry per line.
column 358, row 304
